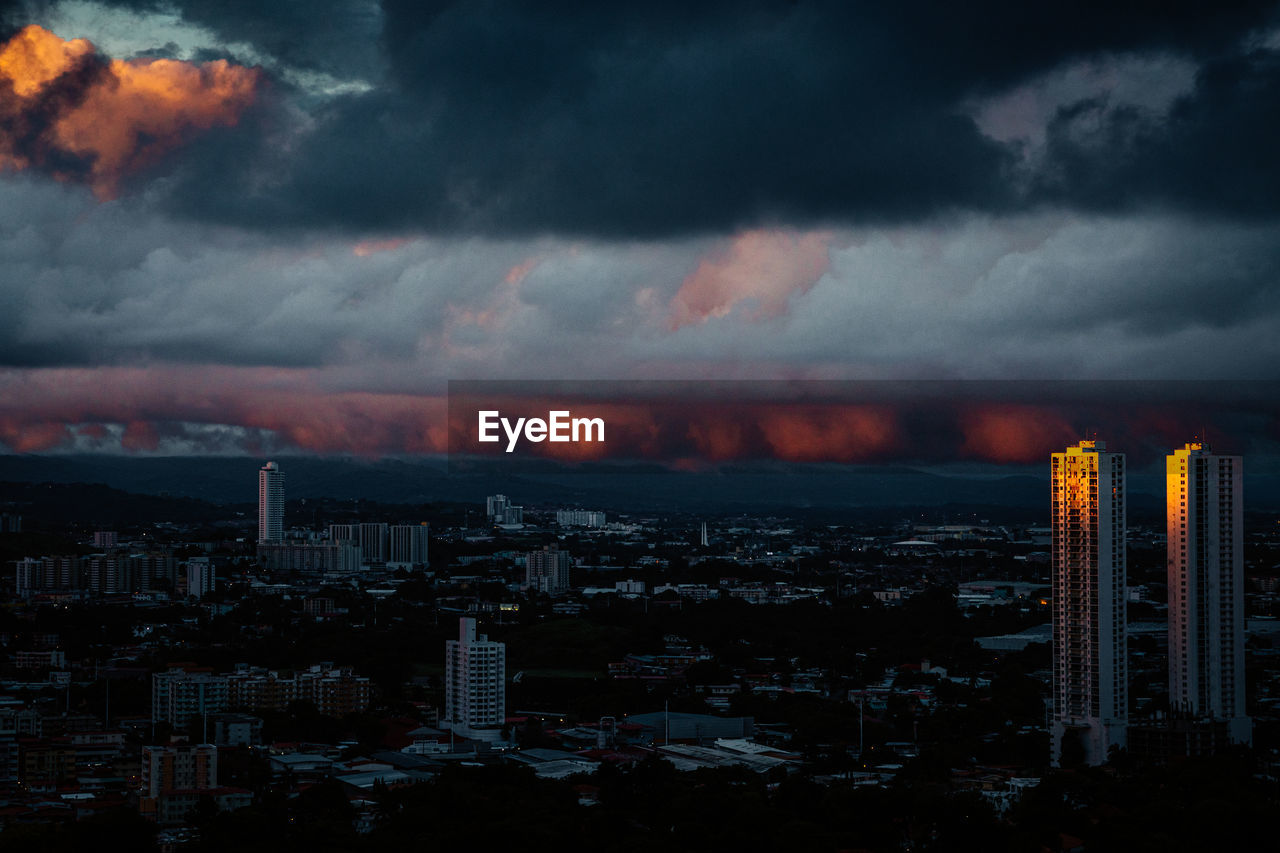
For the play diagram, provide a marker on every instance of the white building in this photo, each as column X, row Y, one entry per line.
column 1090, row 672
column 270, row 503
column 1205, row 520
column 475, row 668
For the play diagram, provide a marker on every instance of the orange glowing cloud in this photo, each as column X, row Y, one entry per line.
column 760, row 267
column 36, row 57
column 1013, row 433
column 149, row 409
column 68, row 111
column 842, row 433
column 23, row 436
column 47, row 408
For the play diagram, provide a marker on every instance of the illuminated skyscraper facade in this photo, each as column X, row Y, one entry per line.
column 1205, row 560
column 270, row 503
column 1090, row 673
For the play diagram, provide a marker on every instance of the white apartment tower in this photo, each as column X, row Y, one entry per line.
column 270, row 503
column 1090, row 671
column 1204, row 511
column 475, row 695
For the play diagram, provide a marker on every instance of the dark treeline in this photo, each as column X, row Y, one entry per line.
column 1198, row 806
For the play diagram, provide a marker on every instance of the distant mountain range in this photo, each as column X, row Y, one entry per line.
column 764, row 487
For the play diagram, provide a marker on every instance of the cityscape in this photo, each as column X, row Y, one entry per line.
column 199, row 678
column 614, row 427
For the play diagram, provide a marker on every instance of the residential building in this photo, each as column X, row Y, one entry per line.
column 200, row 577
column 373, row 543
column 1205, row 559
column 579, row 518
column 408, row 544
column 270, row 503
column 475, row 683
column 175, row 778
column 340, row 556
column 335, row 691
column 181, row 693
column 547, row 570
column 1090, row 672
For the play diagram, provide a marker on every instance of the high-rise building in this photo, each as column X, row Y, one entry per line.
column 27, row 576
column 579, row 518
column 1090, row 671
column 344, row 533
column 547, row 570
column 108, row 573
column 270, row 503
column 105, row 539
column 373, row 542
column 496, row 508
column 200, row 577
column 475, row 696
column 1205, row 514
column 408, row 544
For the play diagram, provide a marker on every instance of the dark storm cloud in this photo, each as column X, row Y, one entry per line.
column 1215, row 151
column 660, row 118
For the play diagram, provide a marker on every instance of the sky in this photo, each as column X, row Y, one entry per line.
column 246, row 227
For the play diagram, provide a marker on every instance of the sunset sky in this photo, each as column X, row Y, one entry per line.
column 261, row 227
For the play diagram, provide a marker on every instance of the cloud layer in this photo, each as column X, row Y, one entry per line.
column 69, row 112
column 292, row 222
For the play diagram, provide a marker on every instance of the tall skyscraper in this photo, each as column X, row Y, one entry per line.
column 270, row 503
column 475, row 694
column 1090, row 671
column 1204, row 512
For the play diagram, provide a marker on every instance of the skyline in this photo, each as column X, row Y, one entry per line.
column 334, row 214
